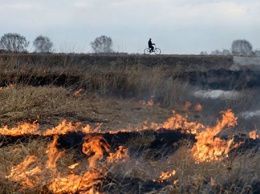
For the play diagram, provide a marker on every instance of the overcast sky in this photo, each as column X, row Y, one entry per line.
column 176, row 26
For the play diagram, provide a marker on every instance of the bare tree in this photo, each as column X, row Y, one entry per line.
column 203, row 53
column 102, row 44
column 257, row 53
column 226, row 52
column 216, row 52
column 42, row 44
column 241, row 47
column 13, row 42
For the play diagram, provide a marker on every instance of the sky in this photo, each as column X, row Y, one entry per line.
column 176, row 26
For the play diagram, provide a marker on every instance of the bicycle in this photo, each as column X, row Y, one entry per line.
column 156, row 51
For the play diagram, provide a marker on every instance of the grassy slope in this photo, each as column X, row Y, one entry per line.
column 43, row 86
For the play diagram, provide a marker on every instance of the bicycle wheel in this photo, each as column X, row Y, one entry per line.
column 147, row 51
column 157, row 51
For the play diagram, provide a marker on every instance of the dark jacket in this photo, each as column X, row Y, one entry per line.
column 150, row 44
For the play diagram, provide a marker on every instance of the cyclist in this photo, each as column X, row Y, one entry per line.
column 150, row 45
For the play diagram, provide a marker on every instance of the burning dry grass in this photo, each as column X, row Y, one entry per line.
column 177, row 173
column 139, row 164
column 108, row 142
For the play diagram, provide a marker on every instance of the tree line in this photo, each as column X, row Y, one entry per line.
column 239, row 47
column 13, row 42
column 16, row 43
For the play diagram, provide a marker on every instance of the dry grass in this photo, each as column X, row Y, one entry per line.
column 50, row 105
column 110, row 93
column 116, row 77
column 239, row 175
column 46, row 90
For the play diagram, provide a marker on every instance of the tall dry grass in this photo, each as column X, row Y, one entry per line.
column 46, row 86
column 46, row 90
column 119, row 78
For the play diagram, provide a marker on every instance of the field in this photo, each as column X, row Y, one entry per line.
column 75, row 123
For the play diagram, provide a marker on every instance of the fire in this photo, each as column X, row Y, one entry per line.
column 73, row 165
column 63, row 128
column 186, row 106
column 211, row 148
column 28, row 128
column 89, row 181
column 166, row 175
column 198, row 107
column 21, row 129
column 42, row 172
column 253, row 134
column 53, row 154
column 34, row 171
column 79, row 91
column 95, row 147
column 86, row 183
column 24, row 173
column 121, row 154
column 149, row 102
column 178, row 121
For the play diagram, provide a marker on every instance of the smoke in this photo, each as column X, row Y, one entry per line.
column 217, row 94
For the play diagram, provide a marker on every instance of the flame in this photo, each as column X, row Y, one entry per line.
column 210, row 148
column 198, row 107
column 73, row 165
column 63, row 128
column 150, row 102
column 166, row 175
column 178, row 121
column 95, row 147
column 32, row 170
column 147, row 103
column 186, row 106
column 21, row 129
column 79, row 91
column 24, row 173
column 87, row 129
column 36, row 172
column 28, row 128
column 72, row 183
column 120, row 154
column 53, row 154
column 253, row 134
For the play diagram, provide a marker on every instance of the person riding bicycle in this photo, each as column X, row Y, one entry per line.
column 150, row 45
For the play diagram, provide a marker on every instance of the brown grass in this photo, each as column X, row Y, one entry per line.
column 111, row 95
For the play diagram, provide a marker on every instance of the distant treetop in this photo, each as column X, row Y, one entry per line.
column 13, row 42
column 241, row 47
column 102, row 44
column 42, row 44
